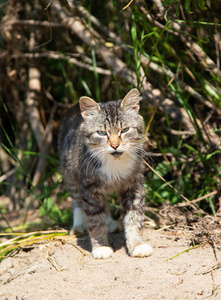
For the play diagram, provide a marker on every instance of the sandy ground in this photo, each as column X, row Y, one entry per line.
column 60, row 270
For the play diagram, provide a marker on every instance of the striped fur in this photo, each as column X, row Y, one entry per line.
column 100, row 147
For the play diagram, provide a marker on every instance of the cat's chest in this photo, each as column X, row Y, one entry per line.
column 115, row 169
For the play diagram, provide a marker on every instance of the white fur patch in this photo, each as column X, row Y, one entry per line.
column 112, row 225
column 79, row 224
column 102, row 252
column 142, row 250
column 114, row 169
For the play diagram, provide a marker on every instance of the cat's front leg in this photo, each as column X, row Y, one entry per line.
column 94, row 208
column 133, row 200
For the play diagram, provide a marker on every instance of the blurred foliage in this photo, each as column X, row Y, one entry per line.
column 170, row 50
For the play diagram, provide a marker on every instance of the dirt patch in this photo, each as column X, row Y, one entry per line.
column 65, row 269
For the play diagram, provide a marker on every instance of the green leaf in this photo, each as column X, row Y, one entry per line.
column 42, row 211
column 201, row 4
column 49, row 203
column 187, row 6
column 211, row 154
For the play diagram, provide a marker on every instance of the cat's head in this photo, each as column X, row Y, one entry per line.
column 113, row 128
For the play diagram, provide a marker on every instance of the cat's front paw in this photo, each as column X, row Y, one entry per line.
column 142, row 250
column 102, row 252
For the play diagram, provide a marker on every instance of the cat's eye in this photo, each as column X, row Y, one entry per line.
column 101, row 132
column 125, row 130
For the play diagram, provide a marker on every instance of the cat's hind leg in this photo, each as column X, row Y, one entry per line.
column 112, row 225
column 79, row 219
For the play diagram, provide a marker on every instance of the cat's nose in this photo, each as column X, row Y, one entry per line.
column 115, row 146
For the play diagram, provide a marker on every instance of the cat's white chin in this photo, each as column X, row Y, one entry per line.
column 102, row 252
column 142, row 250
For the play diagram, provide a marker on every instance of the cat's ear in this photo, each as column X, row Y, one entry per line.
column 131, row 101
column 88, row 107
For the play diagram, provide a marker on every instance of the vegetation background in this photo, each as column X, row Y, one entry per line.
column 53, row 52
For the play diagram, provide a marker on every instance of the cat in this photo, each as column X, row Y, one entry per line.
column 100, row 148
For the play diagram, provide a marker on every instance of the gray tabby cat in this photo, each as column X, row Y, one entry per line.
column 100, row 148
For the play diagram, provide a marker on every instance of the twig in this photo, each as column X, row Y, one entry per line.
column 54, row 264
column 49, row 3
column 212, row 244
column 52, row 261
column 58, row 56
column 78, row 248
column 163, row 228
column 8, row 174
column 213, row 290
column 31, row 23
column 196, row 200
column 217, row 266
column 176, row 230
column 182, row 132
column 125, row 7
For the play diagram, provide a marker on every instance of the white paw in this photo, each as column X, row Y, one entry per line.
column 102, row 252
column 142, row 250
column 112, row 225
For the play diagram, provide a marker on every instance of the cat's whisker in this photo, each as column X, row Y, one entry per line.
column 97, row 162
column 93, row 162
column 144, row 154
column 96, row 156
column 86, row 160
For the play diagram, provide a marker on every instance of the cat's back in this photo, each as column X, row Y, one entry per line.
column 69, row 128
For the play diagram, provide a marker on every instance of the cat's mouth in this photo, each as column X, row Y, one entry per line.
column 116, row 154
